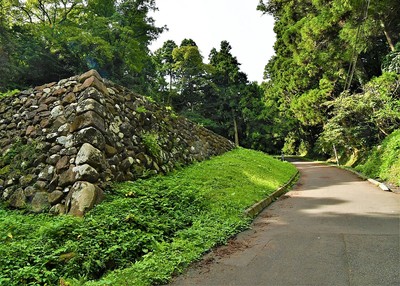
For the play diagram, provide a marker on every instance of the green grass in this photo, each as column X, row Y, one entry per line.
column 145, row 231
column 9, row 93
column 383, row 162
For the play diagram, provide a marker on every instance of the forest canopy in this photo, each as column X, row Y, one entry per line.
column 45, row 40
column 334, row 78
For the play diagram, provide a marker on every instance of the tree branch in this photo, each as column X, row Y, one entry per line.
column 67, row 11
column 27, row 13
column 43, row 9
column 388, row 38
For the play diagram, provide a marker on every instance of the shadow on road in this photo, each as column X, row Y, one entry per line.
column 331, row 229
column 323, row 176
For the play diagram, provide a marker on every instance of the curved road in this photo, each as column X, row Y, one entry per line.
column 331, row 229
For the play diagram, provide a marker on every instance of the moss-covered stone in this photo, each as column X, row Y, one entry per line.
column 5, row 170
column 40, row 202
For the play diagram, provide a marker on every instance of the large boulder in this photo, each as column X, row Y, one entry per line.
column 40, row 202
column 91, row 135
column 82, row 197
column 86, row 172
column 90, row 155
column 18, row 199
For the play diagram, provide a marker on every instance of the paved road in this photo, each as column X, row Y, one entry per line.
column 332, row 229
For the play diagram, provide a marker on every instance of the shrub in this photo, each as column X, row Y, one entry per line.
column 150, row 141
column 361, row 121
column 384, row 161
column 9, row 93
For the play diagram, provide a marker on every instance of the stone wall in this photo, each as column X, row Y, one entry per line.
column 63, row 143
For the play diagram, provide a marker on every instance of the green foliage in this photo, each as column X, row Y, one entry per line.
column 383, row 161
column 290, row 145
column 199, row 119
column 9, row 93
column 229, row 86
column 190, row 73
column 47, row 40
column 150, row 141
column 16, row 150
column 17, row 159
column 318, row 45
column 145, row 231
column 391, row 63
column 164, row 62
column 361, row 121
column 141, row 109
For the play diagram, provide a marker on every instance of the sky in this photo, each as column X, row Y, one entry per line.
column 208, row 22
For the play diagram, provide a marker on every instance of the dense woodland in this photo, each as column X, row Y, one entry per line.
column 334, row 79
column 335, row 76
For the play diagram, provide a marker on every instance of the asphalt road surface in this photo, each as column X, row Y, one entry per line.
column 331, row 229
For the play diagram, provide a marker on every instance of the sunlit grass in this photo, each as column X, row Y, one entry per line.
column 230, row 184
column 383, row 162
column 145, row 231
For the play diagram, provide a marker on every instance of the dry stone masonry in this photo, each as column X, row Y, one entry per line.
column 63, row 143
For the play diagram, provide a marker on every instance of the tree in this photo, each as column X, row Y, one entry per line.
column 165, row 67
column 385, row 14
column 360, row 121
column 322, row 49
column 190, row 72
column 258, row 120
column 108, row 35
column 188, row 42
column 391, row 62
column 230, row 82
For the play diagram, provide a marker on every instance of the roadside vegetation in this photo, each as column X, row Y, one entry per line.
column 383, row 162
column 145, row 231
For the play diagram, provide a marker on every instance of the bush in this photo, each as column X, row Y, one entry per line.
column 361, row 121
column 150, row 141
column 384, row 161
column 9, row 93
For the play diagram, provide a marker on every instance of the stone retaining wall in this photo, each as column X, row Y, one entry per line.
column 63, row 143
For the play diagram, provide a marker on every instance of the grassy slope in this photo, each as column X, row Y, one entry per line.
column 384, row 162
column 145, row 231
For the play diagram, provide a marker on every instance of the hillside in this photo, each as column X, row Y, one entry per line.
column 383, row 162
column 145, row 230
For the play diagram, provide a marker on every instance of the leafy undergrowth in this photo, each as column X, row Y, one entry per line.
column 145, row 231
column 383, row 162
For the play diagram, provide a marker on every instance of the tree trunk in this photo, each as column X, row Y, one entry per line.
column 388, row 38
column 235, row 130
column 170, row 88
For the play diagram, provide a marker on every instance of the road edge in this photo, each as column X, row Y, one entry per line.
column 381, row 185
column 258, row 207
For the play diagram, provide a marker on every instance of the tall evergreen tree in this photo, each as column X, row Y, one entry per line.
column 166, row 74
column 230, row 82
column 190, row 71
column 322, row 49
